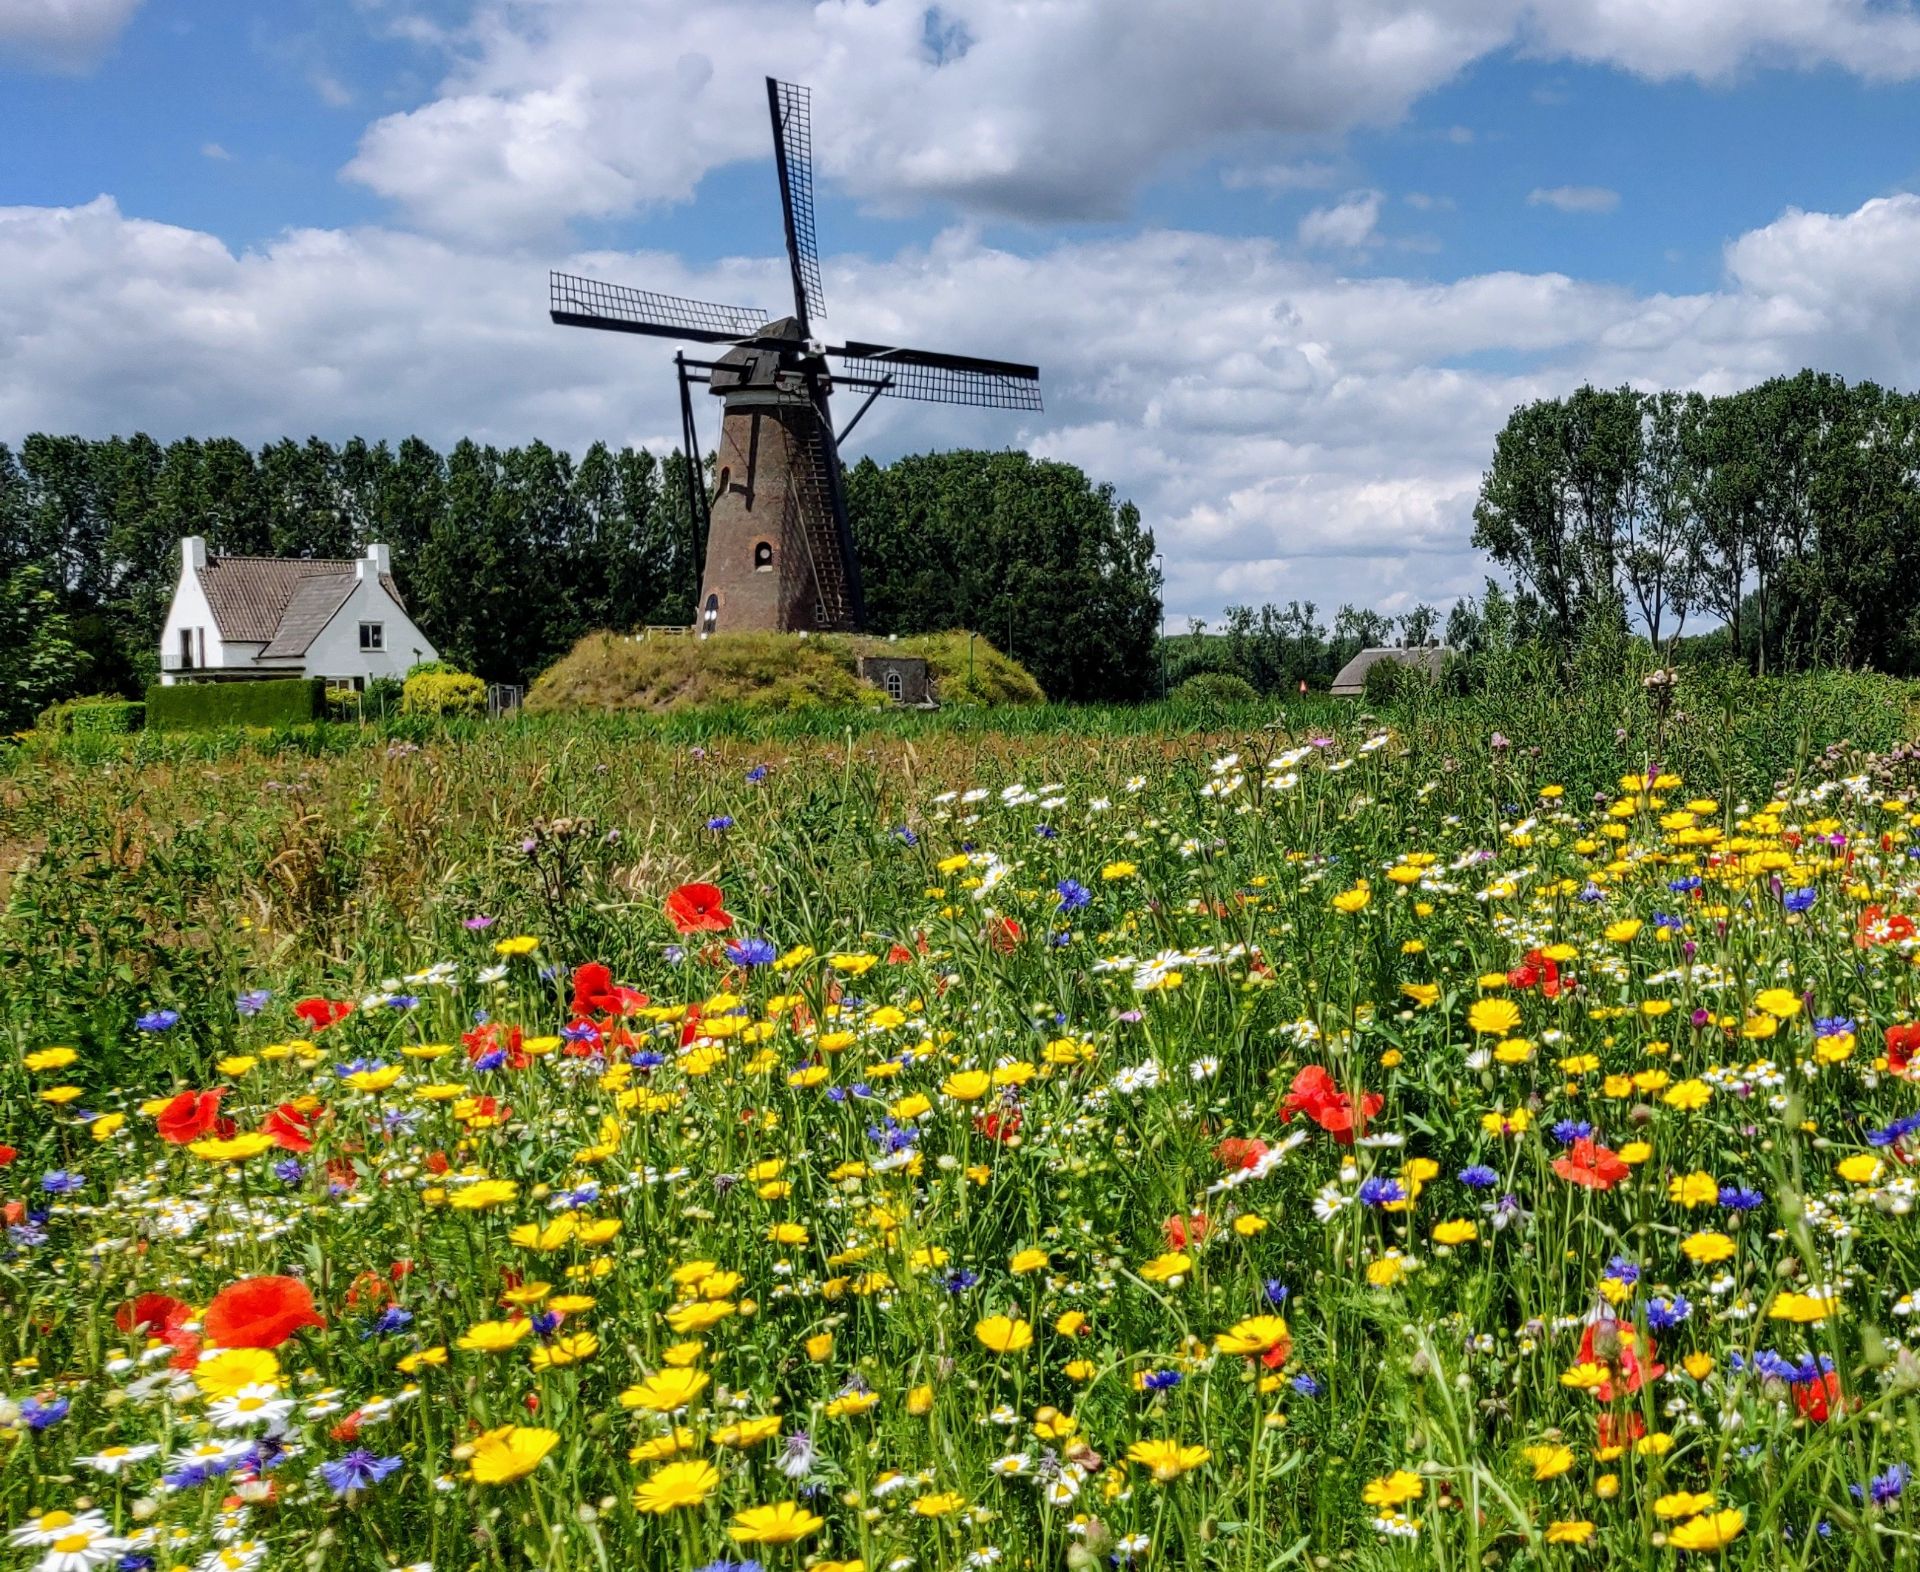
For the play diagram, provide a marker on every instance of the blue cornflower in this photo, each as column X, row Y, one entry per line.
column 358, row 1470
column 647, row 1059
column 1886, row 1488
column 27, row 1235
column 580, row 1032
column 1479, row 1176
column 673, row 954
column 253, row 1001
column 1567, row 1131
column 1737, row 1198
column 960, row 1282
column 728, row 1564
column 39, row 1415
column 720, row 822
column 1621, row 1270
column 1799, row 900
column 396, row 1120
column 1046, row 832
column 1833, row 1026
column 546, row 1322
column 1061, row 938
column 492, row 1059
column 1382, row 1192
column 750, row 952
column 756, row 775
column 1276, row 1291
column 289, row 1170
column 59, row 1182
column 1665, row 1314
column 1160, row 1380
column 403, row 1001
column 1305, row 1385
column 1663, row 920
column 392, row 1319
column 906, row 837
column 1073, row 895
column 1685, row 886
column 1591, row 894
column 158, row 1020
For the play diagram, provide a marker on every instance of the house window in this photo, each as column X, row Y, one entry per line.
column 762, row 557
column 896, row 689
column 186, row 649
column 372, row 636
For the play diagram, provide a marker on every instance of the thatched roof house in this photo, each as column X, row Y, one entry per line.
column 1352, row 681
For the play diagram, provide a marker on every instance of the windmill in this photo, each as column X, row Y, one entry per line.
column 779, row 553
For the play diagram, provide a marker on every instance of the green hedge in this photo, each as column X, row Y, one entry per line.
column 204, row 706
column 105, row 720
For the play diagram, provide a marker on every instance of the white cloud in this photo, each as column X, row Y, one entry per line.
column 1301, row 175
column 1575, row 199
column 216, row 152
column 1286, row 432
column 1347, row 225
column 60, row 35
column 556, row 109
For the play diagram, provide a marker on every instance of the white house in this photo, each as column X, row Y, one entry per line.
column 235, row 618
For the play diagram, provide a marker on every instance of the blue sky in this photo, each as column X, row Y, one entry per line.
column 1285, row 273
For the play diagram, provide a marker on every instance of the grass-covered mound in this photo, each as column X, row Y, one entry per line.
column 771, row 671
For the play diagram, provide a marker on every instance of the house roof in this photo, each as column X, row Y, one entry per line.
column 1352, row 680
column 251, row 597
column 314, row 602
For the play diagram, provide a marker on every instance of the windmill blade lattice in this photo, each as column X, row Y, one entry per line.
column 791, row 108
column 587, row 302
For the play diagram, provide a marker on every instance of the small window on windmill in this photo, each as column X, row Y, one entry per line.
column 710, row 618
column 762, row 557
column 896, row 689
column 726, row 480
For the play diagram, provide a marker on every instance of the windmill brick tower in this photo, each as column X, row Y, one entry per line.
column 779, row 555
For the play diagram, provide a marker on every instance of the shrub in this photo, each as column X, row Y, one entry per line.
column 106, row 717
column 1385, row 681
column 444, row 693
column 1210, row 697
column 428, row 668
column 385, row 696
column 200, row 706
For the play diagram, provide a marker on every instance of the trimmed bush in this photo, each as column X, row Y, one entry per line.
column 205, row 706
column 444, row 693
column 106, row 718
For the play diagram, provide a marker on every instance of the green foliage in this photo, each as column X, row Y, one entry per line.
column 968, row 671
column 444, row 693
column 429, row 668
column 105, row 718
column 1210, row 697
column 38, row 657
column 195, row 706
column 1031, row 552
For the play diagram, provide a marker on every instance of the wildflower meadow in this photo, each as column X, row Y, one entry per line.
column 1337, row 1140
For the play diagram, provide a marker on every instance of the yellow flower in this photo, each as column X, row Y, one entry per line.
column 1166, row 1459
column 1569, row 1531
column 1353, row 900
column 1118, row 870
column 661, row 1447
column 911, row 1106
column 1781, row 1003
column 1393, row 1490
column 106, row 1127
column 819, row 1347
column 531, row 1236
column 1513, row 1122
column 1493, row 1017
column 1698, row 1365
column 1584, row 1377
column 1549, row 1462
column 413, row 1363
column 1805, row 1308
column 519, row 944
column 1682, row 1503
column 675, row 1486
column 1625, row 931
column 1715, row 1531
column 50, row 1059
column 1028, row 1261
column 1386, row 1271
column 779, row 1524
column 569, row 1350
column 1513, row 1050
column 509, row 1453
column 1248, row 1224
column 1003, row 1334
column 235, row 1149
column 1634, row 1153
column 787, row 1234
column 1706, row 1247
column 939, row 1505
column 967, row 1086
column 482, row 1194
column 850, row 1404
column 236, row 1064
column 1422, row 994
column 1861, row 1168
column 493, row 1337
column 920, row 1401
column 1458, row 1231
column 665, row 1391
column 747, row 1432
column 373, row 1080
column 1254, row 1335
column 1688, row 1096
column 1164, row 1268
column 1694, row 1189
column 225, row 1373
column 1078, row 1369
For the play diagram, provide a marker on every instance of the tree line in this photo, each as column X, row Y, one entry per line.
column 506, row 556
column 1784, row 514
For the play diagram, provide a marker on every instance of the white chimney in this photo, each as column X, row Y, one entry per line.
column 193, row 552
column 377, row 563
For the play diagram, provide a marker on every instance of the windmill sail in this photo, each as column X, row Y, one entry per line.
column 791, row 109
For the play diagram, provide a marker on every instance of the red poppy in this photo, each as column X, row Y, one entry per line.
column 7, row 1155
column 1002, row 1124
column 1239, row 1151
column 1315, row 1094
column 1615, row 1433
column 483, row 1040
column 1876, row 927
column 292, row 1130
column 1183, row 1231
column 1003, row 933
column 437, row 1163
column 1902, row 1043
column 1540, row 970
column 322, row 1013
column 1591, row 1165
column 154, row 1314
column 1816, row 1399
column 1611, row 1343
column 596, row 993
column 190, row 1116
column 698, row 908
column 259, row 1312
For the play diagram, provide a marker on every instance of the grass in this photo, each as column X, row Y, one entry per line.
column 1037, row 986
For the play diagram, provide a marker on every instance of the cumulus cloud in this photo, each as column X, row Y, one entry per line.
column 1286, row 431
column 559, row 109
column 1347, row 225
column 60, row 35
column 1575, row 199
